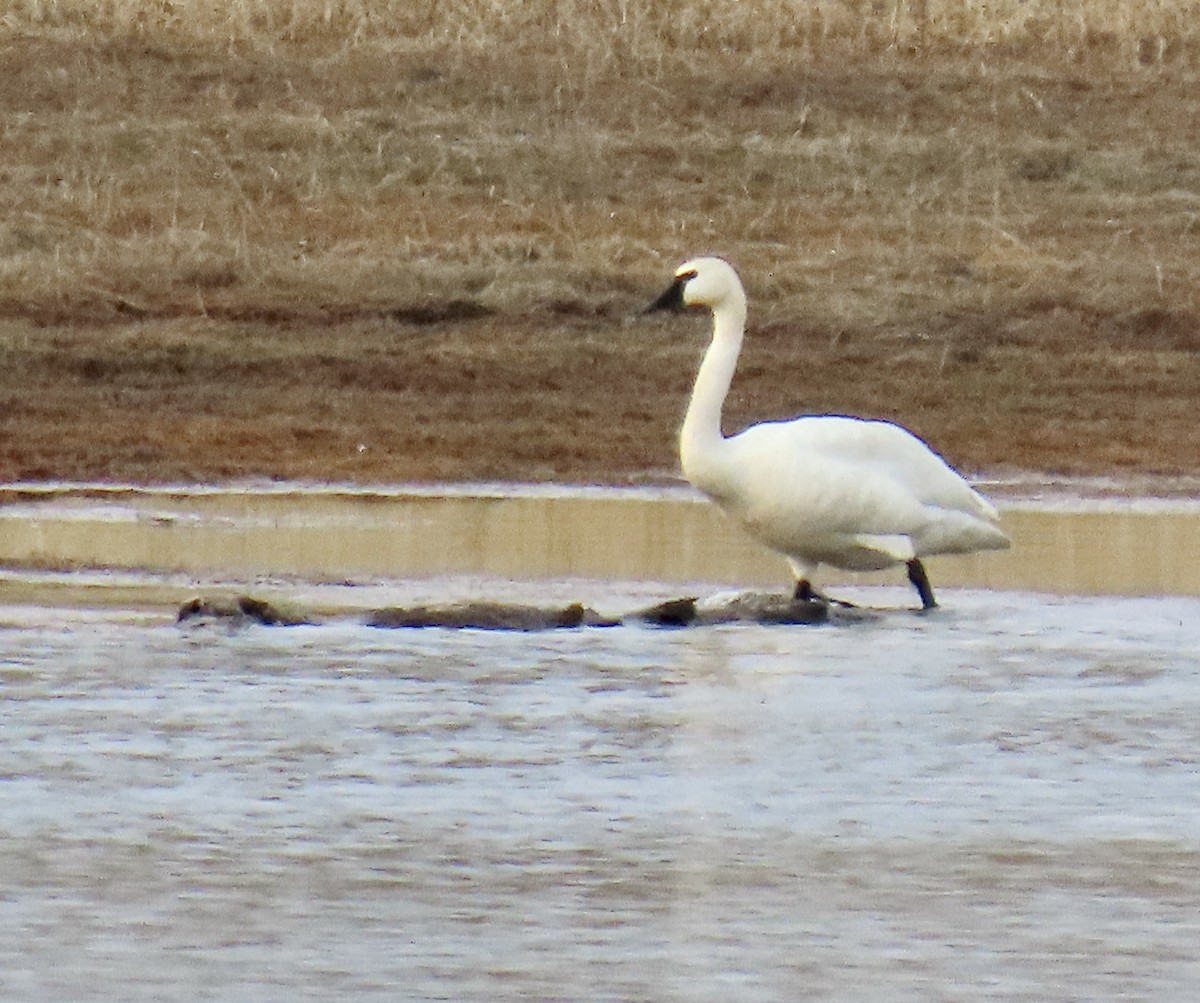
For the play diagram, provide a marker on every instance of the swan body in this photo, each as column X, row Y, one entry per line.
column 852, row 493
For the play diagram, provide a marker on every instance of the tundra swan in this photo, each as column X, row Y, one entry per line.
column 852, row 493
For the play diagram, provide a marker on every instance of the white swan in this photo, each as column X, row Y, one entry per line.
column 855, row 494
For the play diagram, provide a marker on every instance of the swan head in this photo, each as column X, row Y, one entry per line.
column 710, row 283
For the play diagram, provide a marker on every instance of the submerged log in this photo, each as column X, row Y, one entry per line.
column 754, row 607
column 485, row 615
column 687, row 611
column 481, row 614
column 672, row 613
column 764, row 609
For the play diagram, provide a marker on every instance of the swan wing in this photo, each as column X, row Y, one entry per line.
column 786, row 486
column 833, row 489
column 892, row 452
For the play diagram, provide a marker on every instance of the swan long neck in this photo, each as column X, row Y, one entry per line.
column 700, row 438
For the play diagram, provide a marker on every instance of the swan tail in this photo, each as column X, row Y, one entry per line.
column 961, row 533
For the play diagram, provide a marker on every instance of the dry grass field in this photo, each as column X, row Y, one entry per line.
column 409, row 240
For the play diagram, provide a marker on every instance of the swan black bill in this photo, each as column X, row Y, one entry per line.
column 672, row 299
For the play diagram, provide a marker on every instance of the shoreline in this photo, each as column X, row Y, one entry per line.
column 1008, row 489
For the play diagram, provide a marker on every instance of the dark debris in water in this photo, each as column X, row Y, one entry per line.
column 511, row 616
column 242, row 609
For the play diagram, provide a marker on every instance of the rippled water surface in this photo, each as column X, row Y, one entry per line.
column 997, row 801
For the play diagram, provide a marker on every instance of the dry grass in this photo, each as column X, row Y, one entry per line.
column 250, row 237
column 612, row 32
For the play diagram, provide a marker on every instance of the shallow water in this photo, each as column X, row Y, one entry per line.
column 1089, row 543
column 997, row 801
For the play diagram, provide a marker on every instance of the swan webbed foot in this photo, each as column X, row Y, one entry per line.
column 920, row 580
column 806, row 593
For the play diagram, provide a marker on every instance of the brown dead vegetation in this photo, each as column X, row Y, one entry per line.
column 376, row 242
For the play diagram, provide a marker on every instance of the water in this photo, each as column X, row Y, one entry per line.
column 1091, row 543
column 997, row 801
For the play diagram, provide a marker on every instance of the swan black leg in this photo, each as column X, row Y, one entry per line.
column 920, row 580
column 806, row 593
